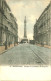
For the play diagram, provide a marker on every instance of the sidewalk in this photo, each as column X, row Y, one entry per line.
column 2, row 48
column 46, row 46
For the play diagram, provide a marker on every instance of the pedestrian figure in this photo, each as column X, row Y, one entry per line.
column 5, row 45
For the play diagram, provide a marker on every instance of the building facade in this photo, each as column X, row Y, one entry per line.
column 42, row 27
column 8, row 25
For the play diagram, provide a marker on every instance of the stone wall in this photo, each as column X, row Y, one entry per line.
column 42, row 27
column 8, row 25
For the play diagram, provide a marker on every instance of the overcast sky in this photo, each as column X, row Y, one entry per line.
column 32, row 9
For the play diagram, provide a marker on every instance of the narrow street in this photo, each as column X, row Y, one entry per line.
column 26, row 55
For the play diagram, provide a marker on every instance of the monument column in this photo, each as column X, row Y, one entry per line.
column 25, row 40
column 25, row 33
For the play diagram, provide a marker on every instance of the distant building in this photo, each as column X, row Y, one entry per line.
column 42, row 27
column 31, row 41
column 8, row 25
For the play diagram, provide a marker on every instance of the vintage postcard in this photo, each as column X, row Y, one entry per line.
column 25, row 33
column 25, row 40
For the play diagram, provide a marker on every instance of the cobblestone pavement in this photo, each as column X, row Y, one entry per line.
column 26, row 55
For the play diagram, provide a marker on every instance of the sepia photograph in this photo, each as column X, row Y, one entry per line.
column 25, row 33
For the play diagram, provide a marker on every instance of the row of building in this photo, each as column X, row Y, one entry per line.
column 8, row 25
column 42, row 28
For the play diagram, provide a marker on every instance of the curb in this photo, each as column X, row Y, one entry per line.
column 44, row 46
column 6, row 50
